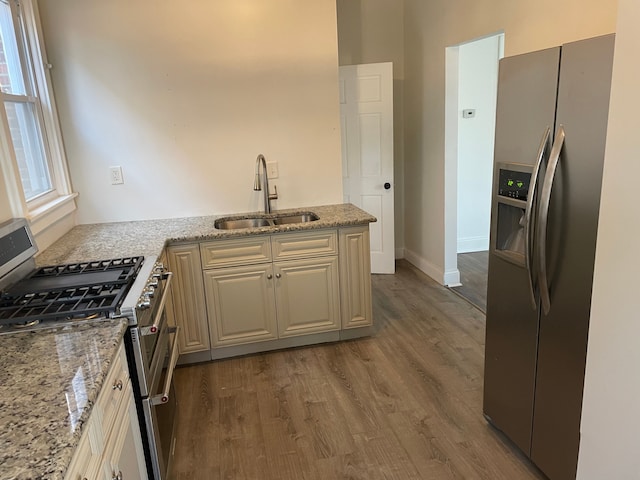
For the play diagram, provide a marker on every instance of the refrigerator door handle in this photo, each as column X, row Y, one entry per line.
column 545, row 199
column 529, row 216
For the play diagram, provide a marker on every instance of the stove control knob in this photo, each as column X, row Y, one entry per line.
column 144, row 302
column 153, row 282
column 149, row 291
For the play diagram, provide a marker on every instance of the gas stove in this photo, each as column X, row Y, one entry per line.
column 53, row 295
column 70, row 291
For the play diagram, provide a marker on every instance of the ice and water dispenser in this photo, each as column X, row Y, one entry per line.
column 511, row 189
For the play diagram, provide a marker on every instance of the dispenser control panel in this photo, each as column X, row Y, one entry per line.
column 514, row 184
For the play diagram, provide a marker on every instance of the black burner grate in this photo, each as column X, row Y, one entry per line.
column 73, row 290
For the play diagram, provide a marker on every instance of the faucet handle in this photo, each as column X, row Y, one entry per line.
column 274, row 196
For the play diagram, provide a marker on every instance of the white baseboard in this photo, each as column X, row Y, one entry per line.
column 449, row 278
column 473, row 244
column 452, row 278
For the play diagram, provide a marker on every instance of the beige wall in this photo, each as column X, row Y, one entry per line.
column 5, row 206
column 371, row 31
column 184, row 96
column 611, row 406
column 429, row 28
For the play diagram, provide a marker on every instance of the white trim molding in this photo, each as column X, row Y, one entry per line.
column 448, row 278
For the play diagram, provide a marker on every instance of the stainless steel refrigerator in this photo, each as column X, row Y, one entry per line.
column 551, row 126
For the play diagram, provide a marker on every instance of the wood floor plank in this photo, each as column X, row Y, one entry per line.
column 473, row 268
column 405, row 403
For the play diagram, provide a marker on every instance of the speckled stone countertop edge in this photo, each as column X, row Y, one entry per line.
column 117, row 340
column 150, row 237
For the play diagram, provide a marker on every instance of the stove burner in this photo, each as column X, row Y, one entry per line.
column 28, row 324
column 64, row 292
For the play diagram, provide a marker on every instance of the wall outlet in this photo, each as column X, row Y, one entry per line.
column 469, row 113
column 272, row 169
column 115, row 174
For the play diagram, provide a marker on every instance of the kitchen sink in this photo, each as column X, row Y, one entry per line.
column 239, row 223
column 296, row 218
column 256, row 222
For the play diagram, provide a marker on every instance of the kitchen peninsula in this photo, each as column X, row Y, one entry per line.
column 49, row 453
column 209, row 296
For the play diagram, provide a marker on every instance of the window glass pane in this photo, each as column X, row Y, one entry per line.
column 11, row 75
column 27, row 144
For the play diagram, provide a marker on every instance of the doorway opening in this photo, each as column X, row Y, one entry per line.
column 471, row 92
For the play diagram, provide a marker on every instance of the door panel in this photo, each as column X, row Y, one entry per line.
column 298, row 312
column 366, row 110
column 241, row 304
column 583, row 105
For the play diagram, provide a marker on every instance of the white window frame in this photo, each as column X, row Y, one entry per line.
column 46, row 209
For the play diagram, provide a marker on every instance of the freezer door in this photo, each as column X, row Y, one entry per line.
column 526, row 104
column 583, row 105
column 527, row 88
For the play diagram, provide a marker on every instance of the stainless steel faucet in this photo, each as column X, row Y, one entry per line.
column 257, row 187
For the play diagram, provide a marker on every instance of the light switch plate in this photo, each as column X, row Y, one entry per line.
column 272, row 169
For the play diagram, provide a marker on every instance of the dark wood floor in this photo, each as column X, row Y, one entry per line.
column 403, row 404
column 473, row 276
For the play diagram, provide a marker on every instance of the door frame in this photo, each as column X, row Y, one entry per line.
column 451, row 275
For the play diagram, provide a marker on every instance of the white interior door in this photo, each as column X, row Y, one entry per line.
column 366, row 111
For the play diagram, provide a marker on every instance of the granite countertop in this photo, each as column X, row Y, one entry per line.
column 149, row 237
column 49, row 381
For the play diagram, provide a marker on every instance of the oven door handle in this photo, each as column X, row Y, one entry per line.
column 153, row 329
column 164, row 396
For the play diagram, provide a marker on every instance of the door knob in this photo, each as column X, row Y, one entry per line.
column 387, row 186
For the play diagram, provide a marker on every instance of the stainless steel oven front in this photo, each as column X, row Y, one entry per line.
column 153, row 354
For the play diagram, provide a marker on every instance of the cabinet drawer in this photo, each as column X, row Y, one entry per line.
column 243, row 251
column 113, row 391
column 300, row 245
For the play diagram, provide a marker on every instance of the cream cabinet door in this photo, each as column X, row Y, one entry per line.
column 307, row 296
column 241, row 304
column 123, row 454
column 85, row 462
column 355, row 277
column 187, row 298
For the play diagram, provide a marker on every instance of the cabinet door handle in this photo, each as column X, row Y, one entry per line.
column 117, row 385
column 117, row 476
column 278, row 275
column 269, row 277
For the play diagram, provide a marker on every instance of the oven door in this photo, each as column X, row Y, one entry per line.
column 149, row 339
column 160, row 411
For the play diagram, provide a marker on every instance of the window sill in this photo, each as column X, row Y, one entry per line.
column 51, row 212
